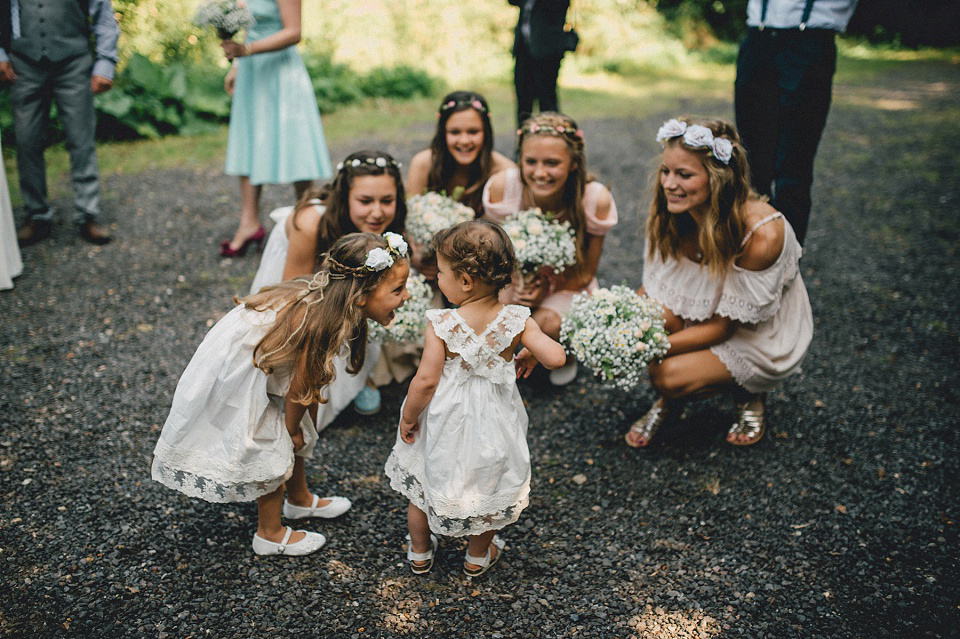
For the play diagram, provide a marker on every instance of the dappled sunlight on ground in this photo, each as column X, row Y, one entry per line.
column 908, row 97
column 656, row 622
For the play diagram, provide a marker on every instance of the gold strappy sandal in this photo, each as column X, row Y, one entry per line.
column 750, row 423
column 643, row 430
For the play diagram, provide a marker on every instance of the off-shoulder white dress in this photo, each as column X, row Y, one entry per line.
column 469, row 467
column 776, row 320
column 345, row 386
column 557, row 301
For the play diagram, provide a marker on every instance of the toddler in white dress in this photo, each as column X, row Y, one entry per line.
column 461, row 454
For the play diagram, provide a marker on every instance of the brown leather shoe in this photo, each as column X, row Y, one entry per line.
column 94, row 233
column 33, row 232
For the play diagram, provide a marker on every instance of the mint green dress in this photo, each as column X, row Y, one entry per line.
column 275, row 134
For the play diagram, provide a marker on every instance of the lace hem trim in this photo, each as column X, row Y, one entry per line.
column 695, row 309
column 193, row 484
column 452, row 517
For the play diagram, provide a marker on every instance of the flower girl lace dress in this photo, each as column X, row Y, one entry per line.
column 469, row 467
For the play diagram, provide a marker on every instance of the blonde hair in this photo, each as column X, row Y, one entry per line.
column 728, row 187
column 558, row 125
column 317, row 315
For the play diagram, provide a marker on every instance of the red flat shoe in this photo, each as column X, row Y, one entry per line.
column 257, row 237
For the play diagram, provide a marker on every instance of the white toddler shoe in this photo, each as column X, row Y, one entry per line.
column 336, row 507
column 312, row 542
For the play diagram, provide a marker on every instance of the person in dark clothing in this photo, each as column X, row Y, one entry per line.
column 538, row 47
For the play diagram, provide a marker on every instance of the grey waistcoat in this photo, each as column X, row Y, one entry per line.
column 52, row 29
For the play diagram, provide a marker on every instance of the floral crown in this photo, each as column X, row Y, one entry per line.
column 381, row 258
column 454, row 104
column 697, row 137
column 379, row 160
column 549, row 129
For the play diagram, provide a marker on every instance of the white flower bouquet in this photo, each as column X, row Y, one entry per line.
column 430, row 213
column 410, row 320
column 615, row 333
column 540, row 241
column 226, row 16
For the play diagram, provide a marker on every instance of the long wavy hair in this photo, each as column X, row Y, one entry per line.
column 443, row 166
column 558, row 125
column 335, row 196
column 480, row 249
column 729, row 189
column 317, row 315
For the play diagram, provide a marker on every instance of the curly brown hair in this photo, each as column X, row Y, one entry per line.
column 480, row 249
column 317, row 315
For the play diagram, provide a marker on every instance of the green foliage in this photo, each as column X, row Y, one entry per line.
column 688, row 18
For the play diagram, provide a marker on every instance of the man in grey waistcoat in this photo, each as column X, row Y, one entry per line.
column 46, row 57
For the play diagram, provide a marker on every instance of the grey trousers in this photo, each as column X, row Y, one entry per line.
column 68, row 84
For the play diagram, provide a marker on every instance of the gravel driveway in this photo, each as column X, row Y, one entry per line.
column 841, row 523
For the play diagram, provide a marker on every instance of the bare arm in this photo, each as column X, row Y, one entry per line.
column 578, row 278
column 302, row 245
column 423, row 385
column 416, row 183
column 698, row 337
column 293, row 413
column 290, row 15
column 538, row 347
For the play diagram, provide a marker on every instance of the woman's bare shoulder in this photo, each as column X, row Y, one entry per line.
column 766, row 243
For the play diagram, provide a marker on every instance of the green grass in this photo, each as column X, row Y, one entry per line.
column 635, row 92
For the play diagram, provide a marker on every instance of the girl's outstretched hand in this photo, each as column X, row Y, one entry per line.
column 408, row 430
column 525, row 363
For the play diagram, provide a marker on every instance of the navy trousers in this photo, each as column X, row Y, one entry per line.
column 535, row 79
column 781, row 98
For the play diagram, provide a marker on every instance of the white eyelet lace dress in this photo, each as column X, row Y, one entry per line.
column 226, row 439
column 772, row 306
column 469, row 467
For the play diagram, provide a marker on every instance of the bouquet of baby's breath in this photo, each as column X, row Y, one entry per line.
column 226, row 16
column 410, row 320
column 430, row 213
column 615, row 333
column 540, row 241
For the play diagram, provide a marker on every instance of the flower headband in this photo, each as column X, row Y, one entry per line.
column 380, row 161
column 453, row 104
column 381, row 258
column 696, row 136
column 559, row 129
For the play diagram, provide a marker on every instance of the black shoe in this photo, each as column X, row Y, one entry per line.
column 94, row 233
column 33, row 232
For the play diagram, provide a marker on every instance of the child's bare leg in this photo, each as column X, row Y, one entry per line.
column 269, row 524
column 298, row 493
column 419, row 529
column 478, row 547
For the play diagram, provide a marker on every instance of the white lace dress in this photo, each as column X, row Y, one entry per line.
column 344, row 387
column 469, row 467
column 776, row 320
column 226, row 439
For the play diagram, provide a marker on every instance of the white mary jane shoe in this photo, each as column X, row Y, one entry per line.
column 312, row 542
column 336, row 507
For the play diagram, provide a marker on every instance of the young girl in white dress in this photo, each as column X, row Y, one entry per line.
column 366, row 196
column 461, row 454
column 725, row 266
column 239, row 428
column 553, row 176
